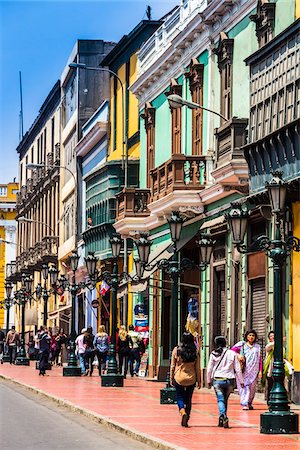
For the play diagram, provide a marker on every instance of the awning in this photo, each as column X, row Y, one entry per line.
column 31, row 316
column 213, row 222
column 56, row 311
column 138, row 287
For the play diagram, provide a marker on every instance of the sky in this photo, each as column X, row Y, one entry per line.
column 36, row 38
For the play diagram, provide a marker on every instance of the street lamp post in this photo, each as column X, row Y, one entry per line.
column 113, row 378
column 174, row 268
column 23, row 295
column 279, row 419
column 72, row 369
column 25, row 219
column 176, row 101
column 7, row 304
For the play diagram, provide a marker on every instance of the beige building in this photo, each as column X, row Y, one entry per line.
column 7, row 241
column 37, row 204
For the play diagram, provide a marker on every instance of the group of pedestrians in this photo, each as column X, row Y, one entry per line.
column 88, row 346
column 241, row 365
column 92, row 350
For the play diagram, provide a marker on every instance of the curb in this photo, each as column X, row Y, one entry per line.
column 103, row 420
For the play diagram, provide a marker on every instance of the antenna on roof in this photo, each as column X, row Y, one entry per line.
column 21, row 129
column 148, row 12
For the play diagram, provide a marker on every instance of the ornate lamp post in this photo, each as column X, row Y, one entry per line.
column 113, row 378
column 23, row 295
column 62, row 284
column 7, row 304
column 174, row 268
column 279, row 419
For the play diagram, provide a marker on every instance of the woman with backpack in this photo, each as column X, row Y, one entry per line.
column 101, row 348
column 184, row 374
column 124, row 344
column 222, row 369
column 89, row 355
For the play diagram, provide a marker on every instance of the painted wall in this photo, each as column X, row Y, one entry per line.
column 295, row 296
column 284, row 14
column 116, row 131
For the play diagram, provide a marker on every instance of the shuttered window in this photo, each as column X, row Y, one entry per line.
column 258, row 301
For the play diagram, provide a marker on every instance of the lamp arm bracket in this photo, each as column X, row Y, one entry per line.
column 261, row 243
column 293, row 243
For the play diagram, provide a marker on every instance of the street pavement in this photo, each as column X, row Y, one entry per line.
column 28, row 422
column 135, row 408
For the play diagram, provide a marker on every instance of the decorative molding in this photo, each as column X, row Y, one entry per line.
column 195, row 74
column 264, row 20
column 224, row 51
column 148, row 115
column 208, row 34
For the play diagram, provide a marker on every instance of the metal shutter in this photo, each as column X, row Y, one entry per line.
column 258, row 297
column 223, row 307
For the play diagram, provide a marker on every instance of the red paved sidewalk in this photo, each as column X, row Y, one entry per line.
column 136, row 405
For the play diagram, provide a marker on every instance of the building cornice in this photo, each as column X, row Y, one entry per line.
column 200, row 34
column 93, row 137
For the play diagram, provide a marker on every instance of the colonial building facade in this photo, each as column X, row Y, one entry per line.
column 38, row 203
column 8, row 193
column 193, row 161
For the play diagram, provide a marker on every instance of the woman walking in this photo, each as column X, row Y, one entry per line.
column 222, row 369
column 249, row 355
column 101, row 346
column 184, row 374
column 88, row 341
column 124, row 344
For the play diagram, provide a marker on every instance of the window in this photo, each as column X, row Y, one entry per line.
column 264, row 21
column 149, row 120
column 224, row 52
column 52, row 134
column 175, row 88
column 195, row 77
column 3, row 191
column 45, row 145
column 70, row 99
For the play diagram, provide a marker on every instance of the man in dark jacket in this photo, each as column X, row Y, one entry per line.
column 44, row 349
column 12, row 341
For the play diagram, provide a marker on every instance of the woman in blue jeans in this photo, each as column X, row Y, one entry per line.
column 184, row 374
column 223, row 368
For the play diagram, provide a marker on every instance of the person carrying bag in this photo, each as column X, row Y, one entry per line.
column 223, row 368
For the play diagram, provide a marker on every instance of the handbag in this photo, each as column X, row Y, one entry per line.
column 243, row 362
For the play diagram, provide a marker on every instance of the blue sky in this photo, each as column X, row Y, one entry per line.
column 36, row 38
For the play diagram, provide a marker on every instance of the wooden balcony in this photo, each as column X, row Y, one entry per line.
column 49, row 248
column 231, row 167
column 132, row 202
column 181, row 172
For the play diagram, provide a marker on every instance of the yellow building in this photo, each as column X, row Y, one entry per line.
column 123, row 152
column 7, row 236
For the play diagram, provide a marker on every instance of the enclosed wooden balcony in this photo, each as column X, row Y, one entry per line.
column 49, row 248
column 181, row 172
column 132, row 202
column 230, row 164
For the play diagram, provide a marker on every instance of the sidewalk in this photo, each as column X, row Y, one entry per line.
column 135, row 410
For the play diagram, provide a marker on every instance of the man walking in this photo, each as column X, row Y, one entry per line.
column 44, row 346
column 12, row 342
